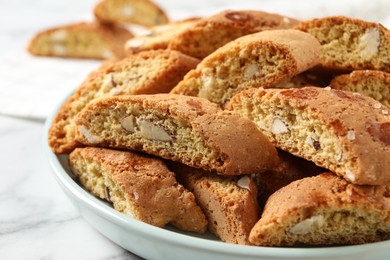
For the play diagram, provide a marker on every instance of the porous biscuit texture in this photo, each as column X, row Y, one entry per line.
column 189, row 130
column 142, row 12
column 139, row 186
column 324, row 210
column 350, row 44
column 344, row 132
column 372, row 83
column 257, row 60
column 81, row 40
column 207, row 35
column 144, row 73
column 229, row 202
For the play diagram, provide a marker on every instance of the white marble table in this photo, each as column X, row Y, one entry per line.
column 36, row 219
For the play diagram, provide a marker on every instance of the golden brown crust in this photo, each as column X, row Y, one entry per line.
column 324, row 210
column 190, row 130
column 338, row 130
column 143, row 12
column 257, row 60
column 372, row 83
column 138, row 185
column 350, row 44
column 210, row 33
column 81, row 40
column 145, row 73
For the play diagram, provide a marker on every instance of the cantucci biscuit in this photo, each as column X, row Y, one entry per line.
column 324, row 210
column 210, row 33
column 256, row 60
column 229, row 202
column 289, row 169
column 144, row 73
column 372, row 83
column 159, row 37
column 139, row 186
column 189, row 130
column 306, row 78
column 350, row 44
column 143, row 12
column 81, row 40
column 346, row 133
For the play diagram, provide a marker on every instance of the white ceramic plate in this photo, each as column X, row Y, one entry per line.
column 151, row 242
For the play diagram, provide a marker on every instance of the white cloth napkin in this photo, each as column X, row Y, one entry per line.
column 32, row 87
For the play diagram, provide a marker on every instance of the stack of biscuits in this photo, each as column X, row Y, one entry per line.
column 259, row 128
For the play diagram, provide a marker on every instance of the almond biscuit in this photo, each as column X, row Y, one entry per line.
column 208, row 34
column 229, row 202
column 139, row 186
column 142, row 12
column 159, row 36
column 257, row 60
column 324, row 210
column 290, row 168
column 372, row 83
column 350, row 44
column 189, row 130
column 81, row 40
column 338, row 130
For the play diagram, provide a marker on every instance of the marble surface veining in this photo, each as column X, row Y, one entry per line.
column 37, row 221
